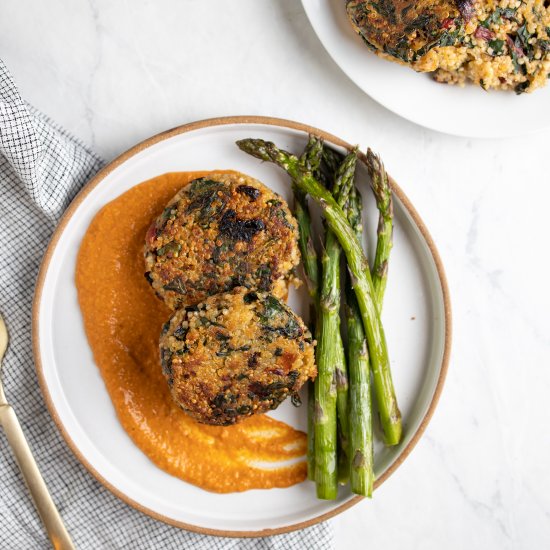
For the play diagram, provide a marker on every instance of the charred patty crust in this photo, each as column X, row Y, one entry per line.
column 234, row 355
column 219, row 232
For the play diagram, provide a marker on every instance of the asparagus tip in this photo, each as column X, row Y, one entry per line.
column 258, row 148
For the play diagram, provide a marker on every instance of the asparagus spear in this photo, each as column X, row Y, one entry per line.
column 384, row 202
column 329, row 353
column 313, row 153
column 331, row 385
column 312, row 158
column 361, row 446
column 343, row 183
column 390, row 416
column 332, row 159
column 328, row 326
column 311, row 269
column 307, row 248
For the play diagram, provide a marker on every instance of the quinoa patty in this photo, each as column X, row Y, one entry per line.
column 498, row 44
column 234, row 355
column 221, row 231
column 408, row 29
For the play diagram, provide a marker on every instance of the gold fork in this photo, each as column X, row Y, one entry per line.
column 59, row 537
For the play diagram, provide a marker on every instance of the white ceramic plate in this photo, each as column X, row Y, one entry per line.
column 467, row 111
column 416, row 316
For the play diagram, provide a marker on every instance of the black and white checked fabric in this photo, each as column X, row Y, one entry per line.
column 41, row 170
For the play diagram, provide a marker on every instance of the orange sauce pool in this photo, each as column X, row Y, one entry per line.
column 123, row 320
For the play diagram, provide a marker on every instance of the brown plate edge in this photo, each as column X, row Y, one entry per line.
column 223, row 121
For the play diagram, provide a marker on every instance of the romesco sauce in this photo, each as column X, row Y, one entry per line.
column 123, row 319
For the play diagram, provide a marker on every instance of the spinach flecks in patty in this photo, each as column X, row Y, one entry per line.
column 263, row 276
column 420, row 22
column 251, row 192
column 239, row 280
column 171, row 248
column 250, row 297
column 281, row 215
column 220, row 251
column 272, row 307
column 166, row 362
column 237, row 229
column 203, row 193
column 450, row 38
column 176, row 285
column 406, row 10
column 522, row 87
column 296, row 400
column 524, row 36
column 266, row 391
column 293, row 375
column 201, row 187
column 168, row 213
column 252, row 361
column 290, row 330
column 226, row 350
column 276, row 319
column 497, row 16
column 179, row 333
column 496, row 46
column 386, row 9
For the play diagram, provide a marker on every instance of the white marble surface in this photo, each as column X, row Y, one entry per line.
column 114, row 73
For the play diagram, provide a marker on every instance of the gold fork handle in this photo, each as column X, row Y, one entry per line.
column 42, row 500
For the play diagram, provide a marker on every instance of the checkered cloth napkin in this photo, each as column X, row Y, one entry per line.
column 41, row 170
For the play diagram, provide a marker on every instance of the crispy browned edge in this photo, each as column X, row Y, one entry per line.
column 96, row 180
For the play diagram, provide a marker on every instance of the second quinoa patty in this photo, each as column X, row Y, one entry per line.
column 405, row 30
column 221, row 231
column 234, row 355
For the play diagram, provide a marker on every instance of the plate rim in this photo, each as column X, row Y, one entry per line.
column 95, row 181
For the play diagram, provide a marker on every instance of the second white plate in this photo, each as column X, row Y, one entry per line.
column 468, row 111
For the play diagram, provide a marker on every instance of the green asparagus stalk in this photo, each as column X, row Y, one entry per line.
column 329, row 354
column 343, row 183
column 331, row 385
column 328, row 333
column 307, row 248
column 332, row 159
column 312, row 159
column 313, row 154
column 361, row 447
column 390, row 416
column 311, row 269
column 384, row 202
